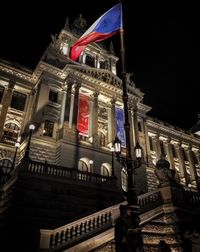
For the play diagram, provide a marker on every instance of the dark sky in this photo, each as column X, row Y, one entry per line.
column 161, row 40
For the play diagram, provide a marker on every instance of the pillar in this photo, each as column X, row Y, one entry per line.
column 6, row 100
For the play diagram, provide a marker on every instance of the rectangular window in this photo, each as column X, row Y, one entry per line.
column 151, row 143
column 139, row 126
column 185, row 156
column 48, row 128
column 18, row 101
column 53, row 96
column 162, row 147
column 89, row 61
column 174, row 151
column 195, row 160
column 1, row 93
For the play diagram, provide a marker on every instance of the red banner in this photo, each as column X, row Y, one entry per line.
column 83, row 114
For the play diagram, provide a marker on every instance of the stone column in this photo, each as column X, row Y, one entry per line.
column 156, row 144
column 29, row 109
column 67, row 103
column 62, row 113
column 168, row 148
column 74, row 106
column 193, row 172
column 94, row 130
column 6, row 100
column 111, row 122
column 182, row 170
column 148, row 150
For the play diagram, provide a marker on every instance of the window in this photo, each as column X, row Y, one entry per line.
column 174, row 151
column 89, row 61
column 6, row 165
column 1, row 93
column 5, row 170
column 53, row 96
column 104, row 170
column 48, row 128
column 162, row 147
column 151, row 143
column 103, row 64
column 11, row 132
column 18, row 101
column 195, row 160
column 139, row 126
column 82, row 166
column 185, row 156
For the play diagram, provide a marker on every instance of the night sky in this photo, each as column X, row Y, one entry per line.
column 161, row 40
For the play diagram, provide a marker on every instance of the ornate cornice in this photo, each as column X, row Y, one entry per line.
column 172, row 131
column 60, row 73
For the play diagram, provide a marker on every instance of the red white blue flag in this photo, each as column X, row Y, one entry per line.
column 104, row 27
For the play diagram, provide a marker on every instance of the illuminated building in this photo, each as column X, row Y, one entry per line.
column 74, row 106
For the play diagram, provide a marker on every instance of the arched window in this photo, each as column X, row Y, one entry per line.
column 83, row 165
column 5, row 169
column 105, row 169
column 11, row 132
column 124, row 179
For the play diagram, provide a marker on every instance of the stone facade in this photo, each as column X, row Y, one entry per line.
column 49, row 95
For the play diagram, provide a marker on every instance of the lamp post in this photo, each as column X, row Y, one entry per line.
column 129, row 163
column 17, row 144
column 31, row 129
column 112, row 168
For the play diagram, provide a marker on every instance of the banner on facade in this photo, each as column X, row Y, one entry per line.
column 83, row 114
column 120, row 126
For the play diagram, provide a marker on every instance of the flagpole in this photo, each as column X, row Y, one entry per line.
column 126, row 115
column 130, row 163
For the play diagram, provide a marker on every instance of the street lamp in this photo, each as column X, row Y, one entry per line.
column 112, row 168
column 130, row 164
column 31, row 129
column 136, row 241
column 17, row 144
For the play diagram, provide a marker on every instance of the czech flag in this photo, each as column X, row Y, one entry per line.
column 104, row 27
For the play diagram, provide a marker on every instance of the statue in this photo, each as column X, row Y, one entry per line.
column 163, row 171
column 129, row 80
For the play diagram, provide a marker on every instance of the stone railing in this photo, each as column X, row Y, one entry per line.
column 149, row 201
column 59, row 171
column 70, row 234
column 80, row 230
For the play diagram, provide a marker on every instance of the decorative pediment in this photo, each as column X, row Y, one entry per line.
column 99, row 74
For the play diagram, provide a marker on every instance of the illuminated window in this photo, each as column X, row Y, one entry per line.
column 53, row 96
column 124, row 179
column 82, row 166
column 18, row 101
column 48, row 128
column 11, row 132
column 1, row 93
column 105, row 170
